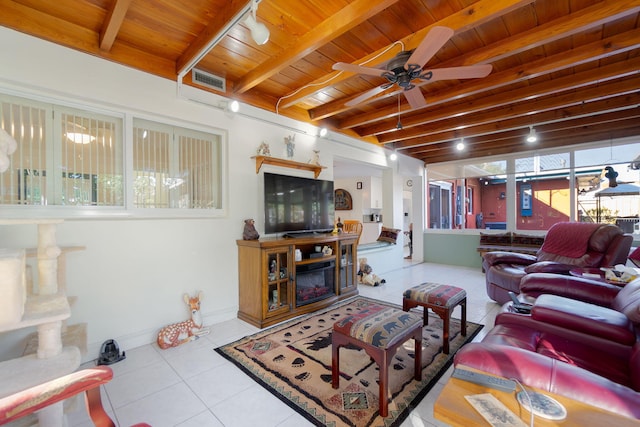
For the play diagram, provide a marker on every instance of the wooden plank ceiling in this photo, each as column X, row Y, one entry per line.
column 567, row 67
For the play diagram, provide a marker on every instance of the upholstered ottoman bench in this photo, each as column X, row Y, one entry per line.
column 441, row 299
column 379, row 331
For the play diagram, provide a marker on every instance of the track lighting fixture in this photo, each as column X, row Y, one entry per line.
column 394, row 154
column 229, row 106
column 323, row 132
column 532, row 137
column 460, row 145
column 234, row 106
column 259, row 31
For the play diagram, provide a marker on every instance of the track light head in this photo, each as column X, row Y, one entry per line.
column 234, row 106
column 259, row 31
column 532, row 137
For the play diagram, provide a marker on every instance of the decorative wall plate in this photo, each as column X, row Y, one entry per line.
column 342, row 200
column 543, row 405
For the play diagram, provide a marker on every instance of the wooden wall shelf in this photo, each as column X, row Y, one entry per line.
column 260, row 160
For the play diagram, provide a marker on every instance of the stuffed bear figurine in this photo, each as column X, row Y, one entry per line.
column 250, row 232
column 366, row 275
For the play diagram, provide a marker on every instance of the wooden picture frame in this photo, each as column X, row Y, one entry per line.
column 342, row 200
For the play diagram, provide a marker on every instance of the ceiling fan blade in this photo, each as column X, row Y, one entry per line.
column 359, row 69
column 432, row 43
column 415, row 97
column 469, row 72
column 366, row 95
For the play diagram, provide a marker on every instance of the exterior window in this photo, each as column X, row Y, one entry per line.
column 598, row 200
column 593, row 183
column 543, row 195
column 75, row 158
column 65, row 157
column 469, row 182
column 175, row 167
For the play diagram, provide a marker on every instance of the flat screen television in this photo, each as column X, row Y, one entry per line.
column 297, row 205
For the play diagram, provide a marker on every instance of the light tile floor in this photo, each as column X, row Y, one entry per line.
column 192, row 385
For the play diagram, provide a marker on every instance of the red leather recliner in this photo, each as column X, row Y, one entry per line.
column 567, row 245
column 549, row 374
column 578, row 349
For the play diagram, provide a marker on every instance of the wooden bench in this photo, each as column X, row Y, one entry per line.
column 441, row 299
column 378, row 330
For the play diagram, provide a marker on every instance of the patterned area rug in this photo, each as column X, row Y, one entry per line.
column 293, row 361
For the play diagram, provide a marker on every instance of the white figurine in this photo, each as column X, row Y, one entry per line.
column 288, row 141
column 263, row 149
column 316, row 158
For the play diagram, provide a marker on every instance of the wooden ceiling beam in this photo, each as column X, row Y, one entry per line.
column 566, row 116
column 516, row 146
column 349, row 17
column 463, row 20
column 64, row 33
column 598, row 50
column 112, row 23
column 543, row 130
column 518, row 102
column 571, row 82
column 206, row 38
column 581, row 20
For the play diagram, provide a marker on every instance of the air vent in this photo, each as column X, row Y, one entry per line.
column 209, row 80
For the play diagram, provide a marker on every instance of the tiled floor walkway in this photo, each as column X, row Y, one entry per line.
column 192, row 385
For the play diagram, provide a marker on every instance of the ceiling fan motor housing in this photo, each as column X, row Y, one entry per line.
column 397, row 73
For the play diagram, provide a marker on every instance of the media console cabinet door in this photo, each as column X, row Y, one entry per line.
column 277, row 287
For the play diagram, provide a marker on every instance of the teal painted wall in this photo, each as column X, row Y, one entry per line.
column 452, row 249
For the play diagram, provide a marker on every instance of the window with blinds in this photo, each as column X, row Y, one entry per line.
column 75, row 158
column 64, row 156
column 175, row 167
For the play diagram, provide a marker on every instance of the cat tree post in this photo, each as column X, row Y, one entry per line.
column 48, row 252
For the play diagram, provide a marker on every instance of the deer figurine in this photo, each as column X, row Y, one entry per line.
column 182, row 332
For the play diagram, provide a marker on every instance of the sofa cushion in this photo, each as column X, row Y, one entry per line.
column 581, row 316
column 502, row 239
column 603, row 236
column 389, row 235
column 518, row 239
column 628, row 301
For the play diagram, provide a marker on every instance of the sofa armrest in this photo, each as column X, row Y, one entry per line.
column 33, row 399
column 503, row 257
column 550, row 375
column 549, row 267
column 583, row 317
column 578, row 288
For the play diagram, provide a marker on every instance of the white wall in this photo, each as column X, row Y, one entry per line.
column 130, row 279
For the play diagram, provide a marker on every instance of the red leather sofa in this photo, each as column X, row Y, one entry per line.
column 567, row 245
column 588, row 351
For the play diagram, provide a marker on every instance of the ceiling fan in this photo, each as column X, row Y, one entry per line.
column 406, row 67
